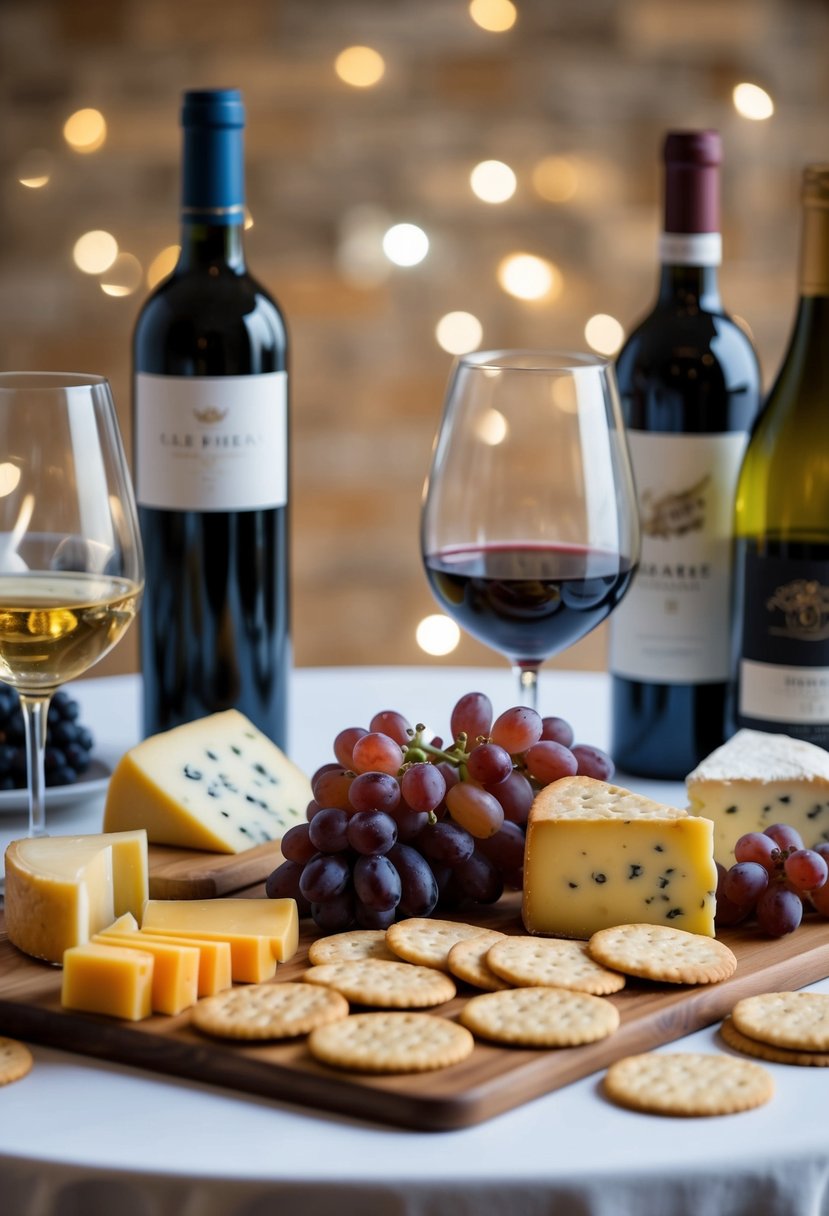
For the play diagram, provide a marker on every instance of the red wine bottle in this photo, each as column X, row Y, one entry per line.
column 211, row 458
column 690, row 385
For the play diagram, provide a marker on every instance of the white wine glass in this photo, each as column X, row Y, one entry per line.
column 71, row 566
column 529, row 527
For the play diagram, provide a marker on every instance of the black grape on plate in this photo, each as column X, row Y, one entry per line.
column 436, row 825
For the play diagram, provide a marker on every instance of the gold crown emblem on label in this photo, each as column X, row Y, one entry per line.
column 210, row 415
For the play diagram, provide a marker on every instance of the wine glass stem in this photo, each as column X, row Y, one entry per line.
column 527, row 685
column 35, row 711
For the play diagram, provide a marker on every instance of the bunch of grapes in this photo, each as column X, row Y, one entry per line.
column 68, row 743
column 400, row 825
column 772, row 877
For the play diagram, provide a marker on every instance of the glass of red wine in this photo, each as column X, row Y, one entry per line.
column 529, row 527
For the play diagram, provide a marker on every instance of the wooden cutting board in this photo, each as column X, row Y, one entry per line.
column 492, row 1080
column 185, row 874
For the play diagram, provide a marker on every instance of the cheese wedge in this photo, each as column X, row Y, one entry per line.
column 251, row 959
column 757, row 779
column 107, row 979
column 214, row 956
column 598, row 855
column 175, row 969
column 60, row 890
column 217, row 784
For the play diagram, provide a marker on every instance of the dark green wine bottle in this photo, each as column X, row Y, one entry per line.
column 781, row 621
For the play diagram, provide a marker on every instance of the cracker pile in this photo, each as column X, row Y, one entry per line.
column 781, row 1027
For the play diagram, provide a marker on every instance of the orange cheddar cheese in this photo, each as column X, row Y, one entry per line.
column 214, row 956
column 108, row 979
column 274, row 919
column 175, row 969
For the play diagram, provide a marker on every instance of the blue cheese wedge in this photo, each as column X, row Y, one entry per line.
column 217, row 784
column 757, row 779
column 598, row 855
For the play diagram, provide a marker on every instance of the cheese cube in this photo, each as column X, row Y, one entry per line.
column 107, row 979
column 757, row 779
column 175, row 969
column 60, row 890
column 598, row 855
column 214, row 956
column 217, row 784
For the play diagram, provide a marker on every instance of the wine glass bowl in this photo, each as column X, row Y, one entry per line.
column 71, row 565
column 529, row 527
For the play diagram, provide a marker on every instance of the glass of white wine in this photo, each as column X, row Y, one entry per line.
column 71, row 566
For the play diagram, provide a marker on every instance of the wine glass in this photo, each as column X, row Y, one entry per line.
column 71, row 566
column 529, row 527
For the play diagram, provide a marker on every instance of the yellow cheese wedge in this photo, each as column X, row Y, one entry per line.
column 214, row 956
column 275, row 919
column 598, row 855
column 175, row 969
column 108, row 979
column 251, row 957
column 60, row 890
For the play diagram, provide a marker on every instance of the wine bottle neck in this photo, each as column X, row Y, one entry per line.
column 213, row 180
column 212, row 245
column 690, row 286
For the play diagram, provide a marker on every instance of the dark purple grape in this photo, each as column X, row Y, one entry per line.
column 419, row 889
column 423, row 787
column 324, row 877
column 376, row 883
column 390, row 722
column 335, row 914
column 409, row 823
column 449, row 773
column 296, row 844
column 313, row 808
column 479, row 879
column 745, row 882
column 488, row 764
column 328, row 830
column 558, row 730
column 505, row 848
column 373, row 918
column 371, row 832
column 446, row 842
column 374, row 792
column 62, row 776
column 515, row 796
column 449, row 893
column 593, row 762
column 283, row 883
column 548, row 761
column 779, row 911
column 77, row 757
column 472, row 716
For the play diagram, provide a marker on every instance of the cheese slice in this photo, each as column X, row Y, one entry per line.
column 757, row 779
column 175, row 969
column 60, row 890
column 260, row 932
column 217, row 783
column 598, row 855
column 251, row 959
column 214, row 973
column 107, row 979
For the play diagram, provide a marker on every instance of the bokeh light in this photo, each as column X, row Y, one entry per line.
column 94, row 252
column 459, row 332
column 162, row 265
column 34, row 169
column 492, row 427
column 360, row 66
column 750, row 101
column 528, row 277
column 495, row 16
column 493, row 181
column 123, row 277
column 85, row 130
column 405, row 244
column 556, row 179
column 604, row 333
column 437, row 634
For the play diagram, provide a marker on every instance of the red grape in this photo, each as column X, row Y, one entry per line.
column 474, row 809
column 517, row 729
column 423, row 787
column 472, row 716
column 558, row 730
column 785, row 837
column 296, row 844
column 515, row 796
column 344, row 744
column 488, row 764
column 505, row 848
column 779, row 911
column 283, row 883
column 806, row 869
column 331, row 788
column 547, row 761
column 756, row 846
column 374, row 792
column 593, row 762
column 745, row 882
column 390, row 722
column 376, row 751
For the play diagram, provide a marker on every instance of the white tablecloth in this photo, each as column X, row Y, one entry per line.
column 82, row 1138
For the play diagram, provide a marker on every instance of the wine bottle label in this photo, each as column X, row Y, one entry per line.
column 673, row 625
column 211, row 443
column 690, row 249
column 784, row 666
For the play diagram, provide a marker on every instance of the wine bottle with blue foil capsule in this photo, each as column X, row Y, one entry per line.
column 211, row 453
column 689, row 383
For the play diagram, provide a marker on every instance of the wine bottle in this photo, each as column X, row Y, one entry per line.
column 689, row 383
column 782, row 516
column 211, row 456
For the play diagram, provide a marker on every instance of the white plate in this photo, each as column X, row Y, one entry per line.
column 92, row 783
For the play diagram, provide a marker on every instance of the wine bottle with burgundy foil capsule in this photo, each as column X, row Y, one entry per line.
column 782, row 515
column 690, row 388
column 211, row 454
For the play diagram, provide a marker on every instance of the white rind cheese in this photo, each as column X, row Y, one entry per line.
column 757, row 779
column 217, row 784
column 598, row 855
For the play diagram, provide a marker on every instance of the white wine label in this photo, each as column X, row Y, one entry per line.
column 790, row 695
column 673, row 624
column 211, row 443
column 690, row 248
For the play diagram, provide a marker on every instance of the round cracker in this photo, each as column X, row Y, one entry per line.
column 427, row 941
column 268, row 1011
column 797, row 1020
column 687, row 1083
column 15, row 1060
column 551, row 963
column 773, row 1055
column 351, row 945
column 391, row 1042
column 540, row 1017
column 389, row 985
column 467, row 961
column 657, row 952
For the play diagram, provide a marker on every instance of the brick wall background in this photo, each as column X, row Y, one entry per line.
column 594, row 81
